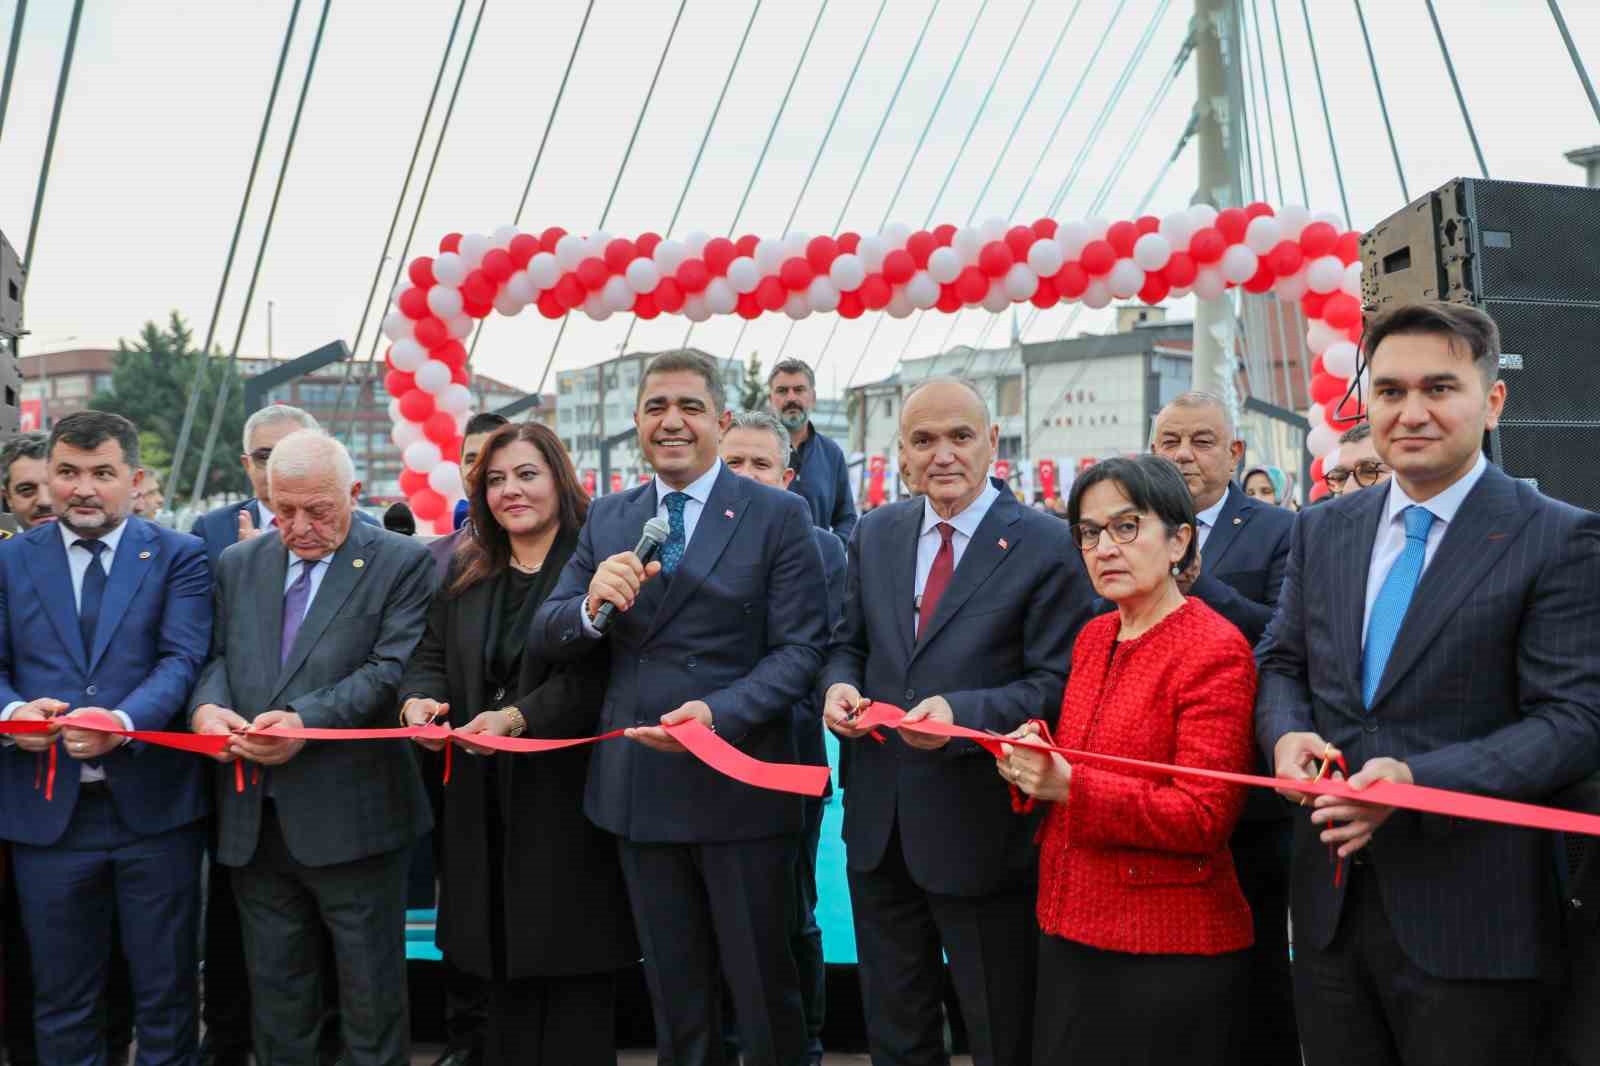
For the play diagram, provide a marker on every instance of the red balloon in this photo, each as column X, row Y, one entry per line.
column 523, row 247
column 949, row 299
column 397, row 383
column 693, row 275
column 440, row 427
column 1347, row 413
column 1325, row 388
column 875, row 292
column 746, row 245
column 592, row 274
column 569, row 290
column 1155, row 288
column 1285, row 258
column 899, row 265
column 450, row 242
column 478, row 289
column 1348, row 247
column 548, row 239
column 388, row 358
column 849, row 241
column 1261, row 281
column 1018, row 240
column 421, row 272
column 459, row 375
column 1147, row 224
column 1231, row 223
column 1316, row 469
column 413, row 303
column 1318, row 239
column 1317, row 367
column 994, row 259
column 946, row 233
column 416, row 405
column 1257, row 209
column 646, row 244
column 749, row 308
column 771, row 295
column 1121, row 235
column 668, row 295
column 1353, row 334
column 821, row 252
column 451, row 353
column 1072, row 280
column 498, row 265
column 717, row 254
column 849, row 303
column 473, row 309
column 1312, row 303
column 619, row 253
column 412, row 481
column 795, row 273
column 431, row 333
column 550, row 305
column 1207, row 245
column 1180, row 270
column 972, row 284
column 1098, row 257
column 921, row 245
column 1046, row 295
column 1341, row 311
column 427, row 505
column 1319, row 490
column 645, row 306
column 1042, row 228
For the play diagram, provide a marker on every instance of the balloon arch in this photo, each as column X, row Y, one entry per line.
column 1299, row 256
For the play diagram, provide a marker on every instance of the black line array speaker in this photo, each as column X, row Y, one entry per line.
column 1529, row 256
column 11, row 288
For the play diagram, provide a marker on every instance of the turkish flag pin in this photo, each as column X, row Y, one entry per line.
column 1003, row 544
column 727, row 514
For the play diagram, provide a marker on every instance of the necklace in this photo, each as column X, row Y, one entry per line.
column 521, row 568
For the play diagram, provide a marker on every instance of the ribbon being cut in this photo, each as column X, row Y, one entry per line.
column 728, row 760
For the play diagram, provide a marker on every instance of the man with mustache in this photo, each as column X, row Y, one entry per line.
column 821, row 475
column 24, row 482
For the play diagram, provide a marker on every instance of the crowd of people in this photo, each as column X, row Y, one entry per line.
column 1433, row 624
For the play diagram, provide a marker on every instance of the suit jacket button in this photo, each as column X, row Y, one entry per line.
column 911, row 696
column 690, row 662
column 1370, row 726
column 91, row 690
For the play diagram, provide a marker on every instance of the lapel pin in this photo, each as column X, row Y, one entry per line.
column 358, row 563
column 728, row 513
column 144, row 555
column 1238, row 521
column 1003, row 544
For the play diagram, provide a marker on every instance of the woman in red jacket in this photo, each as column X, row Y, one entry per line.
column 1143, row 927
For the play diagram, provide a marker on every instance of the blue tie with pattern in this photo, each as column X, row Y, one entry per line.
column 1389, row 609
column 94, row 591
column 672, row 550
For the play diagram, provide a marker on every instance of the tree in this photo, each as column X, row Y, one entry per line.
column 150, row 382
column 753, row 393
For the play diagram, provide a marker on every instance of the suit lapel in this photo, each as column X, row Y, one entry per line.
column 470, row 639
column 983, row 554
column 1231, row 520
column 136, row 554
column 723, row 512
column 903, row 572
column 338, row 582
column 53, row 581
column 1348, row 595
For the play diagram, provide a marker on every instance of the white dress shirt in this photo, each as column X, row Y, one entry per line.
column 1208, row 518
column 1391, row 539
column 267, row 517
column 965, row 523
column 319, row 570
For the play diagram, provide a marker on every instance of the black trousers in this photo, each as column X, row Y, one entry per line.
column 1261, row 854
column 287, row 910
column 1363, row 1000
column 225, row 1009
column 705, row 911
column 552, row 1021
column 903, row 934
column 1112, row 1008
column 805, row 938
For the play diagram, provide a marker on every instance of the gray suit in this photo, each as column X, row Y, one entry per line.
column 322, row 840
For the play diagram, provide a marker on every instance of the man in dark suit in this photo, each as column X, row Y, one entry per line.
column 1438, row 630
column 103, row 613
column 313, row 628
column 961, row 606
column 1244, row 545
column 822, row 475
column 756, row 446
column 240, row 521
column 726, row 628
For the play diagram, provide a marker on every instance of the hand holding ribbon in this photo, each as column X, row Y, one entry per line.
column 39, row 711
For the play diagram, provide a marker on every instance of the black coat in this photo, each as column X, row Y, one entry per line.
column 566, row 909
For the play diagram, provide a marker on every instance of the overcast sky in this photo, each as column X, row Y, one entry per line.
column 166, row 99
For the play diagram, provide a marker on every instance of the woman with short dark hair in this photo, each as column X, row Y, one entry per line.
column 1143, row 927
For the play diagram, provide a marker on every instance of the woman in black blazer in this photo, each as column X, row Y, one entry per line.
column 531, row 896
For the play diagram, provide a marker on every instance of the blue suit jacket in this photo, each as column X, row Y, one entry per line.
column 809, row 743
column 824, row 481
column 220, row 527
column 998, row 649
column 741, row 625
column 155, row 628
column 1241, row 568
column 1491, row 688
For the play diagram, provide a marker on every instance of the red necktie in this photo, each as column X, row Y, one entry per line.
column 944, row 565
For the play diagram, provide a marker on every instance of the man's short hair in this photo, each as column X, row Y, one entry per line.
column 793, row 366
column 484, row 422
column 275, row 413
column 947, row 379
column 1153, row 484
column 1454, row 322
column 1356, row 433
column 687, row 359
column 765, row 420
column 22, row 446
column 88, row 430
column 1200, row 398
column 309, row 452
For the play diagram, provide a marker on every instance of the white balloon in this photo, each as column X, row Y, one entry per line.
column 1072, row 236
column 743, row 274
column 1044, row 257
column 570, row 251
column 1239, row 264
column 521, row 288
column 1209, row 283
column 474, row 246
column 1125, row 279
column 993, row 229
column 895, row 235
column 445, row 479
column 422, row 455
column 1320, row 337
column 1324, row 274
column 1263, row 234
column 432, row 376
column 1151, row 251
column 642, row 275
column 696, row 242
column 617, row 293
column 462, row 418
column 1321, row 439
column 398, row 290
column 995, row 299
column 449, row 269
column 407, row 354
column 1292, row 218
column 1316, row 415
column 461, row 326
column 1021, row 282
column 594, row 305
column 967, row 243
column 847, row 271
column 1177, row 228
column 1201, row 215
column 504, row 235
column 922, row 290
column 669, row 255
column 1340, row 359
column 720, row 297
column 396, row 326
column 871, row 250
column 769, row 255
column 900, row 304
column 508, row 305
column 794, row 245
column 454, row 398
column 1291, row 287
column 1097, row 295
column 821, row 295
column 394, row 410
column 1352, row 280
column 944, row 265
column 1179, row 293
column 1332, row 218
column 405, row 433
column 796, row 307
column 1097, row 227
column 695, row 309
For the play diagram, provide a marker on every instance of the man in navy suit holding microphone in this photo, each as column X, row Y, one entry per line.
column 101, row 612
column 725, row 625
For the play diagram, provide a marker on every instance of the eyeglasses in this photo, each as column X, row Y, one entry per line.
column 1368, row 472
column 260, row 456
column 1123, row 531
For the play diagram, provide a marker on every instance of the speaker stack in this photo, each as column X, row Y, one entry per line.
column 1529, row 256
column 11, row 287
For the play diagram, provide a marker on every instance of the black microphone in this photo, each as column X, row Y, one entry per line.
column 655, row 531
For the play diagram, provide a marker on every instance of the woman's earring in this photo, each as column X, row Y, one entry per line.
column 1176, row 569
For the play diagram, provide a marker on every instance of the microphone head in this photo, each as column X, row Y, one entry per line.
column 656, row 531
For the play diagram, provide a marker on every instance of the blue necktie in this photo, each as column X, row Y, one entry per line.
column 1389, row 609
column 672, row 550
column 94, row 590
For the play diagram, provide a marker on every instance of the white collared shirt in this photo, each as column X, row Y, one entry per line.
column 1208, row 518
column 1391, row 539
column 965, row 522
column 267, row 517
column 319, row 570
